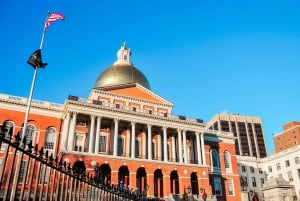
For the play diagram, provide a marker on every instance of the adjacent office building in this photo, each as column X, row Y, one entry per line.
column 247, row 130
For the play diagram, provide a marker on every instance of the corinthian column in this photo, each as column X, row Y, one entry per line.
column 149, row 142
column 65, row 133
column 132, row 139
column 179, row 146
column 184, row 147
column 116, row 131
column 203, row 149
column 165, row 144
column 92, row 134
column 199, row 158
column 98, row 127
column 72, row 132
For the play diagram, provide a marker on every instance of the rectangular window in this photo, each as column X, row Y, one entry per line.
column 262, row 181
column 260, row 171
column 102, row 143
column 218, row 186
column 243, row 168
column 298, row 173
column 153, row 151
column 120, row 146
column 252, row 169
column 137, row 148
column 290, row 176
column 270, row 169
column 253, row 181
column 278, row 166
column 230, row 187
column 21, row 173
column 287, row 163
column 297, row 161
column 79, row 142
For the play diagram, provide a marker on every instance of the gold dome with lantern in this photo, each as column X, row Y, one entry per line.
column 122, row 72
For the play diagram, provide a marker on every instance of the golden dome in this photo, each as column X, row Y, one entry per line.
column 122, row 72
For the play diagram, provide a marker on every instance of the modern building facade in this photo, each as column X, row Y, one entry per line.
column 289, row 137
column 247, row 130
column 129, row 133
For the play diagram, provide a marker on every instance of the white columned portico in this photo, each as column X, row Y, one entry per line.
column 116, row 131
column 65, row 133
column 199, row 157
column 179, row 146
column 184, row 147
column 149, row 142
column 203, row 149
column 72, row 132
column 132, row 139
column 92, row 134
column 98, row 127
column 165, row 144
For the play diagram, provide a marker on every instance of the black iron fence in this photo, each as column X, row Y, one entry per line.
column 29, row 173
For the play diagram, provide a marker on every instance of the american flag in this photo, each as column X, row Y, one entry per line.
column 52, row 18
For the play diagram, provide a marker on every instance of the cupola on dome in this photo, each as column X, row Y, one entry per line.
column 122, row 72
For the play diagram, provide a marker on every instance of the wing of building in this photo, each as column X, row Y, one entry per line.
column 129, row 133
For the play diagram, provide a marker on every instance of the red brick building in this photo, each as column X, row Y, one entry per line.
column 129, row 133
column 289, row 137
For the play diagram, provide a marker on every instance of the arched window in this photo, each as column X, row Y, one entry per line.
column 50, row 138
column 8, row 129
column 30, row 130
column 227, row 161
column 215, row 162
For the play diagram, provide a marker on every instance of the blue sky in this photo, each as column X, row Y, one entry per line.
column 205, row 56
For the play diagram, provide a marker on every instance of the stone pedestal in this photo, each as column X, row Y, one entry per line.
column 277, row 189
column 244, row 196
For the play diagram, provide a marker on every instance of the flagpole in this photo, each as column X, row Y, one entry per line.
column 31, row 90
column 20, row 154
